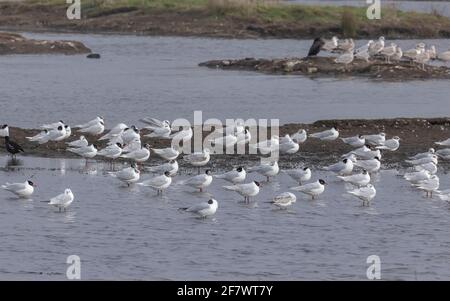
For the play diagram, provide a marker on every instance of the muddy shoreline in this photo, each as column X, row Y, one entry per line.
column 325, row 66
column 206, row 22
column 417, row 134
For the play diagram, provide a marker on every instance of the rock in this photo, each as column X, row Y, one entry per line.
column 93, row 56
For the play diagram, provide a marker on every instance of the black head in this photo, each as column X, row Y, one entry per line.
column 257, row 183
column 119, row 145
column 305, row 168
column 60, row 128
column 360, row 136
column 66, row 126
column 322, row 182
column 239, row 169
column 4, row 126
column 345, row 161
column 368, row 146
column 210, row 202
column 364, row 172
column 208, row 172
column 167, row 174
column 377, row 158
column 30, row 183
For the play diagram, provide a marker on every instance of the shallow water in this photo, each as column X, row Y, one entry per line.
column 130, row 233
column 159, row 77
column 442, row 7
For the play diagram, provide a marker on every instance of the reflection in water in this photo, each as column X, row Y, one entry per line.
column 12, row 163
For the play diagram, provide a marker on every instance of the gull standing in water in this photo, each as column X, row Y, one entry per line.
column 63, row 200
column 159, row 183
column 417, row 176
column 267, row 169
column 284, row 200
column 344, row 167
column 204, row 209
column 371, row 165
column 23, row 190
column 234, row 176
column 200, row 181
column 128, row 175
column 429, row 185
column 313, row 189
column 300, row 175
column 246, row 190
column 360, row 180
column 198, row 159
column 111, row 151
column 328, row 135
column 366, row 194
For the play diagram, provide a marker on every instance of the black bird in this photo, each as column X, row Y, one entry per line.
column 12, row 147
column 316, row 46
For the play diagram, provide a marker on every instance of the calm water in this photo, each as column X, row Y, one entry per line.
column 442, row 7
column 159, row 77
column 130, row 233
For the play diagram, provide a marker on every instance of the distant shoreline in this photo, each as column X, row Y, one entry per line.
column 203, row 18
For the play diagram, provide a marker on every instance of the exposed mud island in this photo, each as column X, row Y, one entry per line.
column 417, row 135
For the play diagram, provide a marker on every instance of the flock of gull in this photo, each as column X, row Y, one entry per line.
column 354, row 168
column 377, row 49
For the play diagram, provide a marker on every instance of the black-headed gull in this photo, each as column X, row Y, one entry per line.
column 63, row 200
column 114, row 132
column 360, row 179
column 80, row 142
column 198, row 159
column 267, row 169
column 200, row 181
column 244, row 138
column 171, row 167
column 284, row 200
column 23, row 190
column 234, row 176
column 299, row 175
column 38, row 137
column 355, row 141
column 130, row 134
column 87, row 152
column 204, row 209
column 95, row 121
column 128, row 175
column 366, row 193
column 159, row 183
column 343, row 167
column 111, row 151
column 54, row 125
column 138, row 155
column 169, row 153
column 247, row 190
column 328, row 135
column 371, row 165
column 312, row 189
column 56, row 134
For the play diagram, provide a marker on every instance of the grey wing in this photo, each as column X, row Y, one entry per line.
column 15, row 186
column 153, row 122
column 197, row 208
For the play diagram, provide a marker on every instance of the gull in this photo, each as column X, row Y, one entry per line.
column 345, row 58
column 444, row 56
column 430, row 167
column 12, row 147
column 244, row 138
column 4, row 130
column 328, row 135
column 68, row 132
column 444, row 143
column 23, row 190
column 168, row 153
column 444, row 153
column 365, row 153
column 234, row 176
column 331, row 44
column 432, row 158
column 429, row 185
column 422, row 58
column 38, row 137
column 390, row 144
column 346, row 45
column 95, row 121
column 200, row 181
column 366, row 194
column 138, row 155
column 204, row 209
column 355, row 141
column 398, row 54
column 85, row 151
column 131, row 146
column 300, row 136
column 430, row 152
column 94, row 129
column 371, row 165
column 198, row 159
column 184, row 135
column 112, row 151
column 284, row 200
column 56, row 134
column 268, row 146
column 376, row 139
column 389, row 51
column 114, row 132
column 159, row 183
column 171, row 167
column 227, row 141
column 300, row 175
column 63, row 200
column 363, row 55
column 417, row 176
column 313, row 189
column 130, row 134
column 155, row 123
column 127, row 175
column 158, row 128
column 364, row 48
column 247, row 190
column 81, row 142
column 288, row 145
column 54, row 125
column 267, row 169
column 360, row 180
column 343, row 167
column 432, row 52
column 377, row 47
column 412, row 54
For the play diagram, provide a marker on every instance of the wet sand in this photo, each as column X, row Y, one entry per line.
column 417, row 135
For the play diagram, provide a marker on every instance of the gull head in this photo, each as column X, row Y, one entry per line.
column 431, row 151
column 60, row 128
column 256, row 183
column 167, row 173
column 239, row 169
column 67, row 191
column 322, row 182
column 30, row 183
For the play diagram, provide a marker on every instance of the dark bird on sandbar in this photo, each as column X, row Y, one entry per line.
column 12, row 147
column 316, row 47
